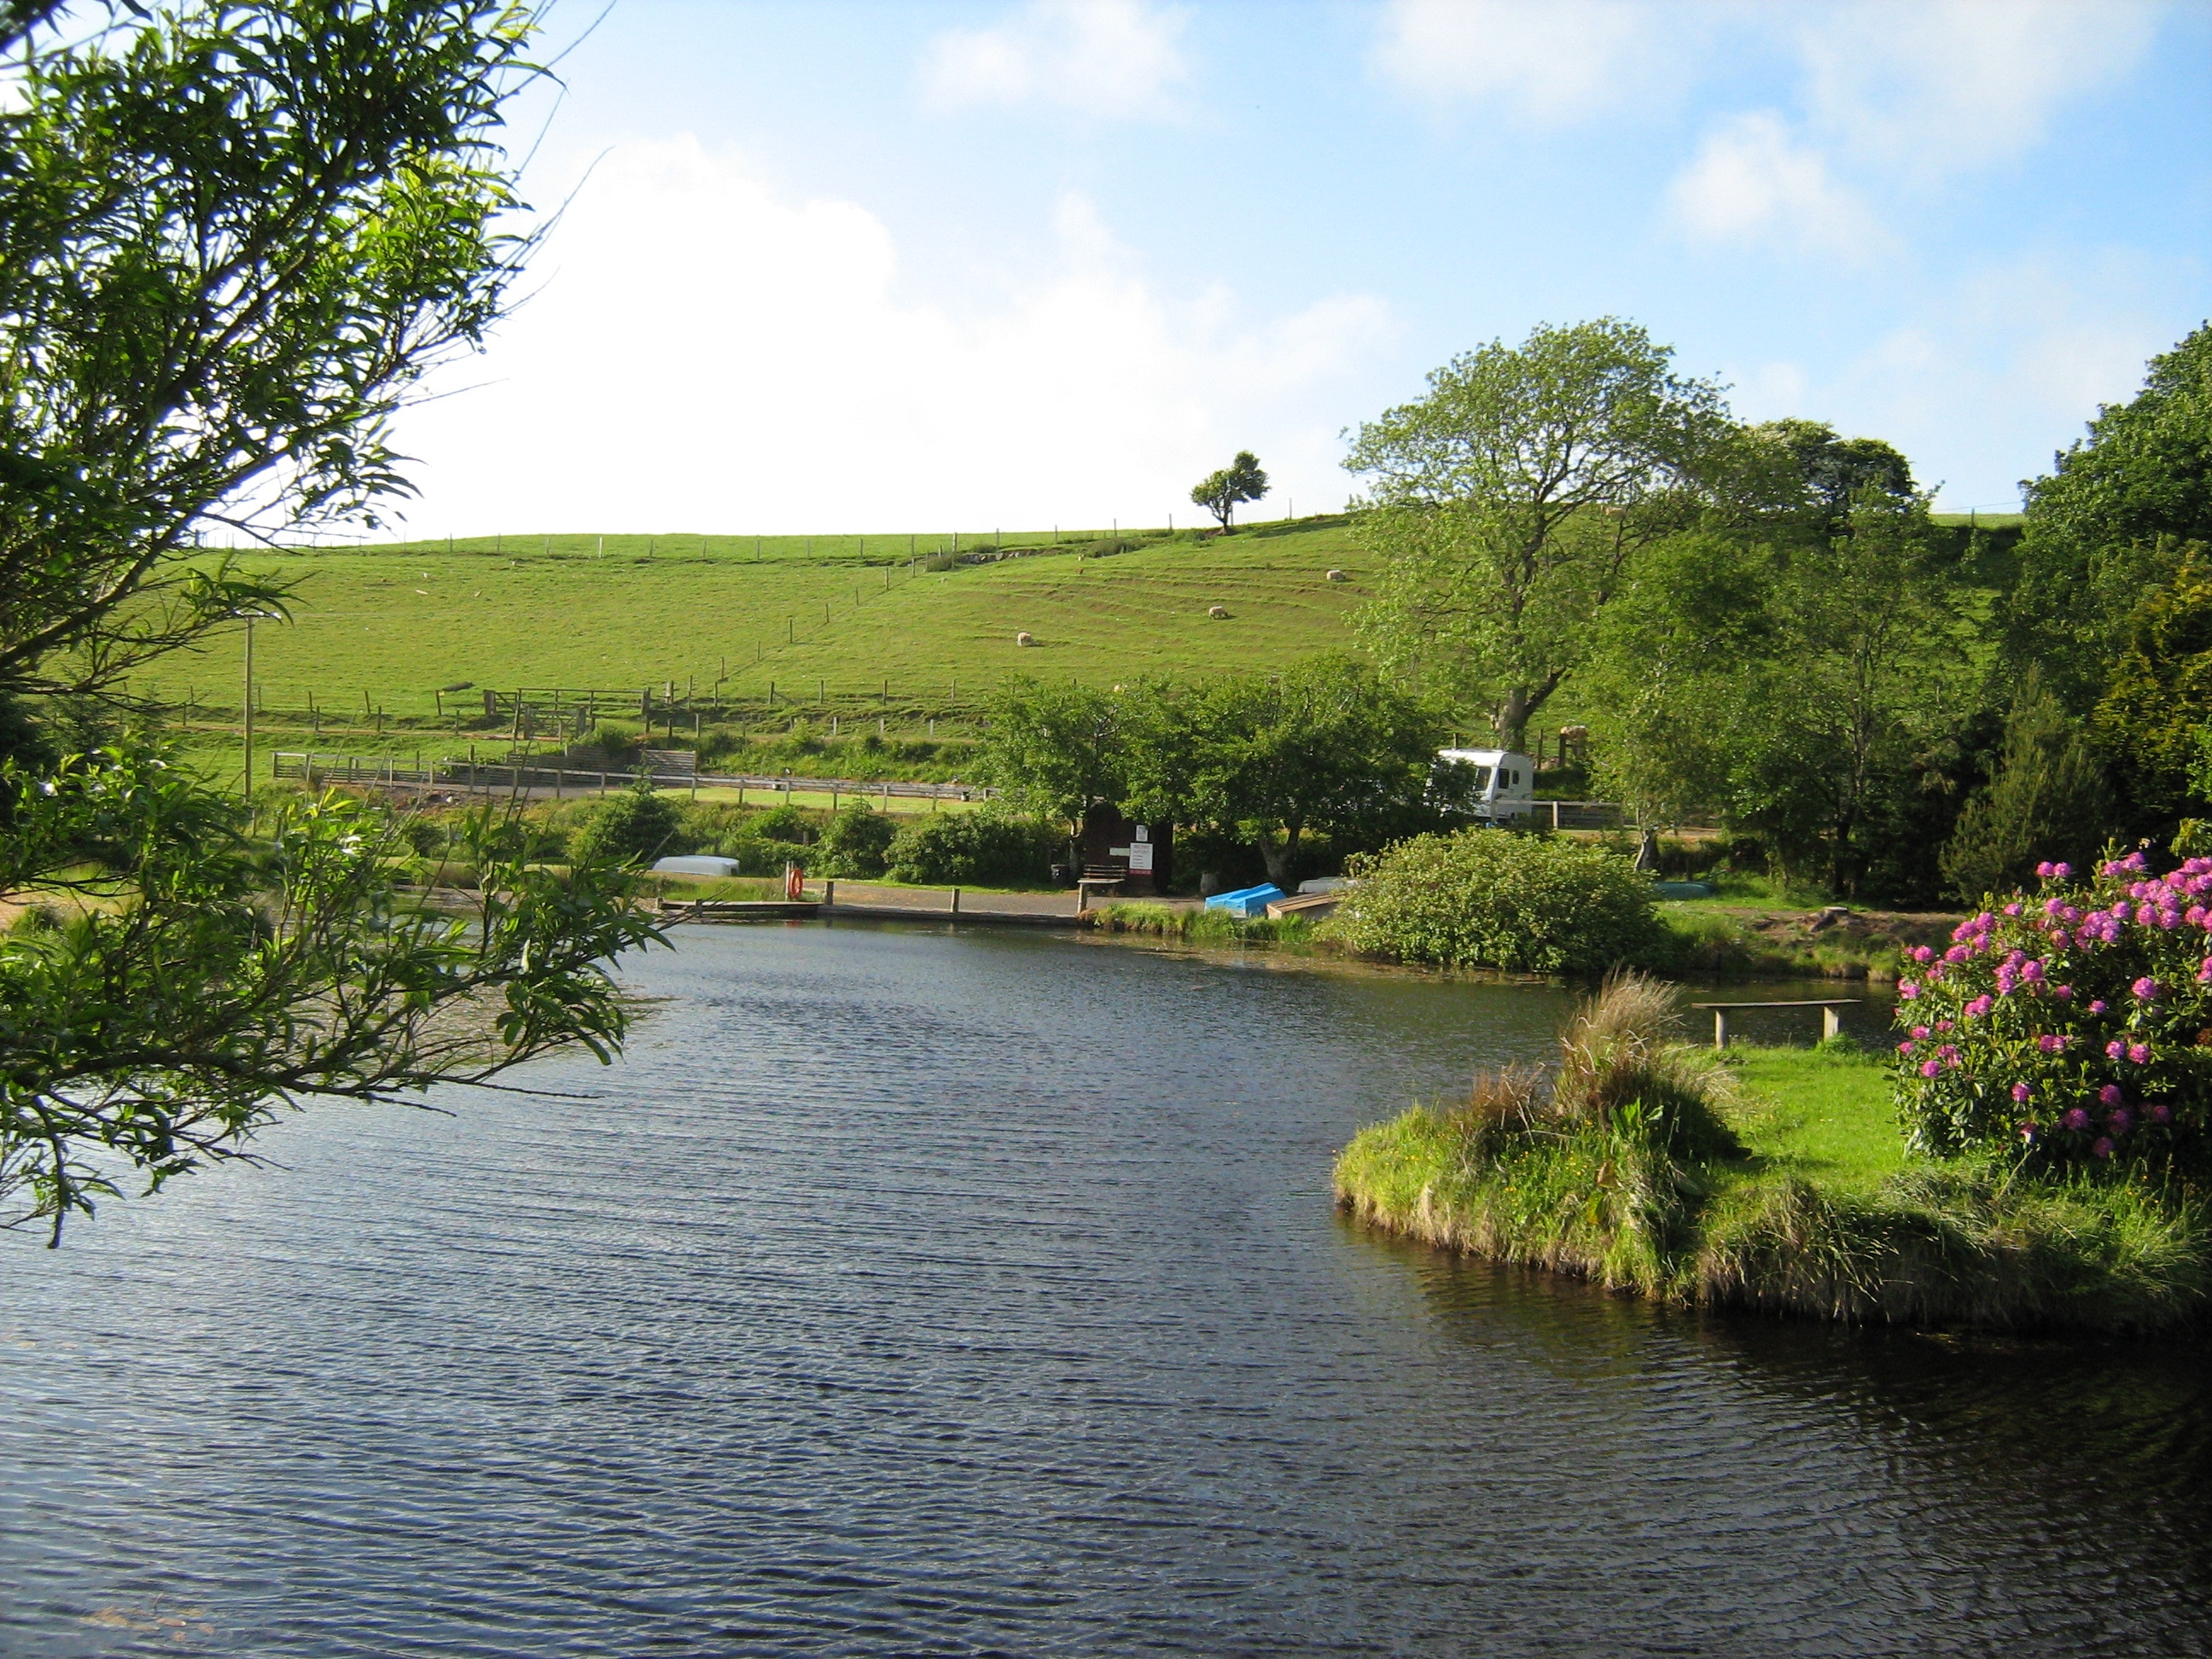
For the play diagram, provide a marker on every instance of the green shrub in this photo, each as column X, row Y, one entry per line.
column 1494, row 898
column 856, row 842
column 2073, row 1027
column 971, row 846
column 638, row 823
column 784, row 823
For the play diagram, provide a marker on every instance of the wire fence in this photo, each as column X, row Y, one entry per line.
column 492, row 778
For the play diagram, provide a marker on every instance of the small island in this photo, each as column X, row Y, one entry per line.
column 2031, row 1157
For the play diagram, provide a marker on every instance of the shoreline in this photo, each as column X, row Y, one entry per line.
column 1886, row 1241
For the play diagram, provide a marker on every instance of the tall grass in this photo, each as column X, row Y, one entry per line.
column 1618, row 1162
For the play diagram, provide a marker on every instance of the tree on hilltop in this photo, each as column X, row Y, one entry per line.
column 1241, row 480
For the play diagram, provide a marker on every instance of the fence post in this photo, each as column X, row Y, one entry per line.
column 955, row 900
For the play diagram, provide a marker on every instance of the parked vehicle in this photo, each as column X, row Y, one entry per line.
column 1491, row 785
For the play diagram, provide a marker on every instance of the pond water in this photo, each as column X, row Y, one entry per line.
column 913, row 1293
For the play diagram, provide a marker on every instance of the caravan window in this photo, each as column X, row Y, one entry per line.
column 1480, row 779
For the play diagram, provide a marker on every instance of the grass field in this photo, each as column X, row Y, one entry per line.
column 383, row 628
column 1825, row 1113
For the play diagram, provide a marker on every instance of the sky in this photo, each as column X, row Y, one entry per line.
column 837, row 266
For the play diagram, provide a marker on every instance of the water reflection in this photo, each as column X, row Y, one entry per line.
column 911, row 1293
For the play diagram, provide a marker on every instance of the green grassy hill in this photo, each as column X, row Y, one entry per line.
column 848, row 615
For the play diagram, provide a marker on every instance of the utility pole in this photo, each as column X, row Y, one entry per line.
column 248, row 786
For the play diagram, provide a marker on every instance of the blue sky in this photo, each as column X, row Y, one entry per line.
column 870, row 266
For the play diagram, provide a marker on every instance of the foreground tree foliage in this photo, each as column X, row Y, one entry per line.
column 232, row 237
column 204, row 979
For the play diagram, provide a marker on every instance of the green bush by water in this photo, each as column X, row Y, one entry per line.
column 1493, row 898
column 963, row 847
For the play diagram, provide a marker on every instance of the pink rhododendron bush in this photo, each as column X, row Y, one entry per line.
column 2073, row 1026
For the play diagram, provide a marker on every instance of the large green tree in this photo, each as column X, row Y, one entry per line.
column 1798, row 690
column 1056, row 748
column 1505, row 506
column 233, row 237
column 1327, row 747
column 2103, row 527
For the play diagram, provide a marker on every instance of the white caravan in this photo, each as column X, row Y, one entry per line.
column 1493, row 785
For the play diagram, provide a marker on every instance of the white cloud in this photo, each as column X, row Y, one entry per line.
column 707, row 356
column 1569, row 60
column 1982, row 381
column 1752, row 181
column 1897, row 98
column 1935, row 88
column 1100, row 56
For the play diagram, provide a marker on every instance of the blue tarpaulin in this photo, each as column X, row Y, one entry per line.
column 1246, row 901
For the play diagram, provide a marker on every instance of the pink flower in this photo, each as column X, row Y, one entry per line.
column 2052, row 1042
column 2117, row 1122
column 2098, row 1006
column 1904, row 1048
column 2027, row 1132
column 1907, row 989
column 2012, row 909
column 2139, row 1052
column 2115, row 1051
column 1921, row 953
column 2058, row 938
column 1979, row 1006
column 2046, row 869
column 2077, row 1120
column 2061, row 870
column 1958, row 953
column 2111, row 1095
column 2145, row 989
column 1942, row 1024
column 2020, row 1092
column 1930, row 1068
column 1920, row 1032
column 2032, row 971
column 2160, row 1112
column 2063, row 993
column 2103, row 1148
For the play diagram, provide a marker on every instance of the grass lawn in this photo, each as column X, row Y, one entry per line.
column 1823, row 1113
column 849, row 617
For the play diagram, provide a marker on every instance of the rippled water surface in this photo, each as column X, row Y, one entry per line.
column 908, row 1293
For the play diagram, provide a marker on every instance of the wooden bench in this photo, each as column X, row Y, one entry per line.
column 1832, row 1023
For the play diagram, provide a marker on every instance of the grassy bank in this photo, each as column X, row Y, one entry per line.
column 1776, row 1181
column 1193, row 925
column 1754, row 929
